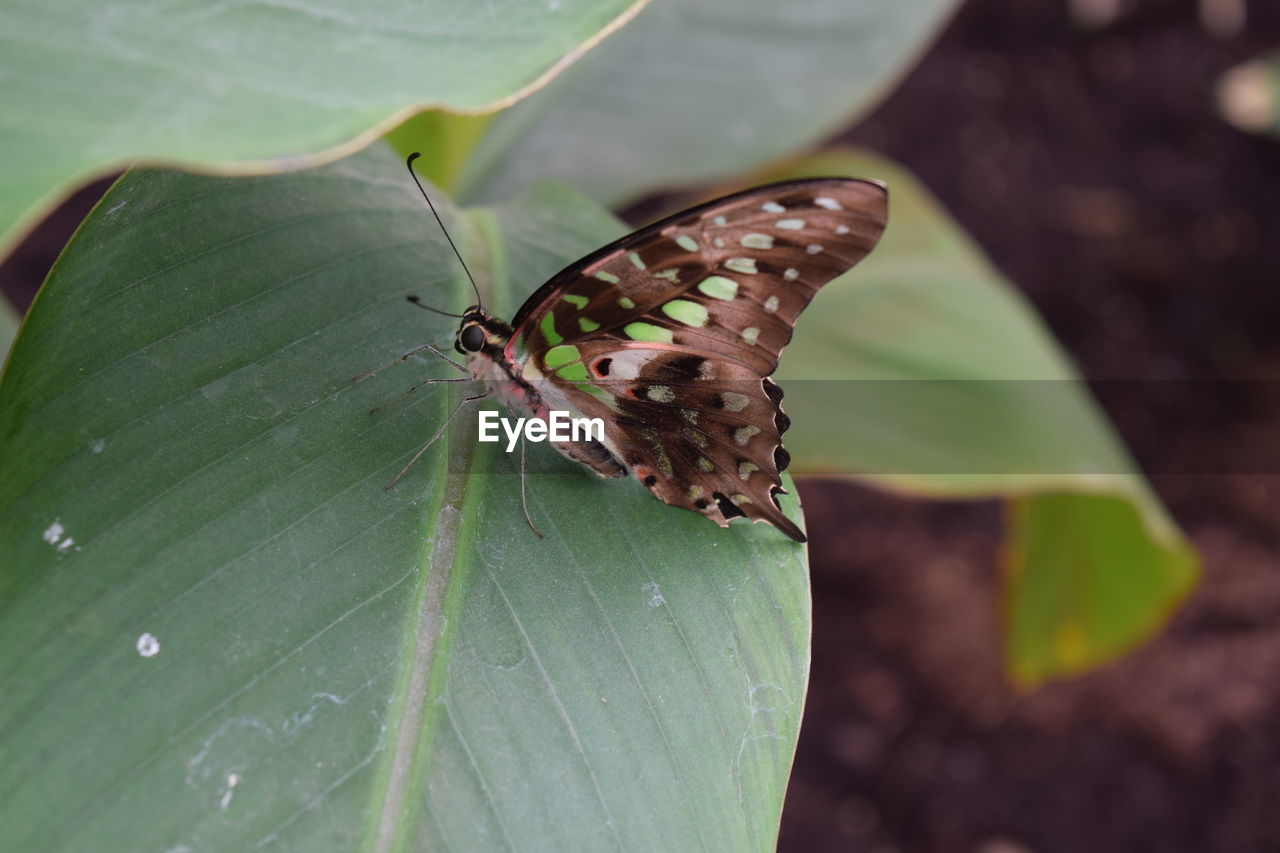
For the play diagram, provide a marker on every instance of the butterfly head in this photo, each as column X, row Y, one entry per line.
column 480, row 332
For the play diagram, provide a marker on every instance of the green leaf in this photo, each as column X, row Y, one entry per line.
column 695, row 90
column 924, row 371
column 189, row 468
column 9, row 322
column 1249, row 95
column 444, row 140
column 89, row 87
column 1085, row 577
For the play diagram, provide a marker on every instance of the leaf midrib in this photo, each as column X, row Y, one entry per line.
column 429, row 634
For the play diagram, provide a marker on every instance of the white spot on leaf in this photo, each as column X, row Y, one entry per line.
column 148, row 646
column 231, row 747
column 54, row 532
column 233, row 779
column 302, row 718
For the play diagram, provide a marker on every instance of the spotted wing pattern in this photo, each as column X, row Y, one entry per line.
column 670, row 334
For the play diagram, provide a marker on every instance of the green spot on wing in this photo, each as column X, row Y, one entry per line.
column 557, row 356
column 606, row 276
column 687, row 243
column 719, row 287
column 548, row 327
column 647, row 332
column 594, row 390
column 586, row 324
column 576, row 372
column 576, row 300
column 684, row 311
column 626, row 303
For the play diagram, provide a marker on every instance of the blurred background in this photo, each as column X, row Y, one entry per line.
column 1082, row 145
column 1085, row 151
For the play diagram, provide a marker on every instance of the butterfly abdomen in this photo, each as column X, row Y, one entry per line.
column 594, row 455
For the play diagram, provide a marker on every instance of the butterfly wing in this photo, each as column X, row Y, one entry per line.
column 669, row 335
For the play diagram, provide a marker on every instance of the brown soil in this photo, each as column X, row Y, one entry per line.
column 1092, row 167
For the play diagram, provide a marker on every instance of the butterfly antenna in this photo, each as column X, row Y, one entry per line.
column 416, row 301
column 409, row 164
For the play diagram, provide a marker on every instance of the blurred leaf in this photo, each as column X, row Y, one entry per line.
column 221, row 632
column 444, row 140
column 90, row 87
column 695, row 90
column 1084, row 578
column 9, row 322
column 924, row 371
column 1249, row 95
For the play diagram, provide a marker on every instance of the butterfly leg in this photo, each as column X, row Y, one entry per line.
column 410, row 354
column 524, row 503
column 461, row 367
column 416, row 387
column 436, row 437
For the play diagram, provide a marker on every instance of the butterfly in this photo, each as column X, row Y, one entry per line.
column 669, row 336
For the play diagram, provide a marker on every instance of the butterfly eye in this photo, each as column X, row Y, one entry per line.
column 472, row 338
